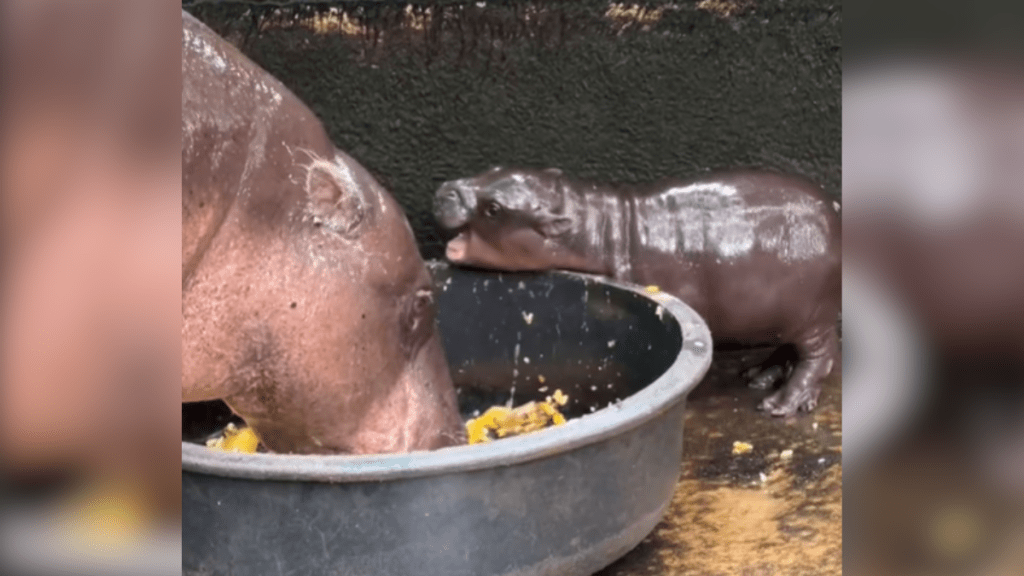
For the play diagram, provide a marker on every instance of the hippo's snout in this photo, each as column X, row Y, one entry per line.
column 449, row 192
column 453, row 204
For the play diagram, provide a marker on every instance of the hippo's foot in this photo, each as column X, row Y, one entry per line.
column 817, row 353
column 791, row 399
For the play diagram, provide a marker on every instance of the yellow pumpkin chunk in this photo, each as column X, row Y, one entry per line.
column 502, row 422
column 235, row 439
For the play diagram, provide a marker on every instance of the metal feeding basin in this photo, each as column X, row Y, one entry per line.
column 563, row 501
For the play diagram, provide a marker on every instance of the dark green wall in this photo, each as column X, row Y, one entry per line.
column 685, row 90
column 984, row 28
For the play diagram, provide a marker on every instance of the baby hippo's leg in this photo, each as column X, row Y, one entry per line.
column 818, row 353
column 764, row 378
column 778, row 366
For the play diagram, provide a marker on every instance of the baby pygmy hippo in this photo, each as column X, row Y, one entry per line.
column 755, row 253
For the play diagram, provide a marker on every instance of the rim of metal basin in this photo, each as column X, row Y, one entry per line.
column 662, row 394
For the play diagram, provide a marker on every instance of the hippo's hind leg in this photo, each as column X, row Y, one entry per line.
column 818, row 353
column 777, row 366
column 764, row 378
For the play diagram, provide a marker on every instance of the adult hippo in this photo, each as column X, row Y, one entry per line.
column 306, row 306
column 757, row 254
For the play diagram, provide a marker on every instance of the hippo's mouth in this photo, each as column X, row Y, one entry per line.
column 458, row 247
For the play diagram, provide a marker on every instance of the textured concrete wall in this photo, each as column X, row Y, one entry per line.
column 987, row 28
column 424, row 92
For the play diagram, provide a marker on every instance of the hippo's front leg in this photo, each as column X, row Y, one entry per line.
column 817, row 351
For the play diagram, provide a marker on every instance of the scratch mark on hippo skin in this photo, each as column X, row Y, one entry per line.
column 256, row 153
column 240, row 84
column 210, row 54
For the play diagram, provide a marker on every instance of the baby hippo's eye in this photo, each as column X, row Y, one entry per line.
column 492, row 209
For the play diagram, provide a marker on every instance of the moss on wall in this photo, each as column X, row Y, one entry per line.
column 429, row 91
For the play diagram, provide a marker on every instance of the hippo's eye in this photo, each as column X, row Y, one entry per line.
column 492, row 209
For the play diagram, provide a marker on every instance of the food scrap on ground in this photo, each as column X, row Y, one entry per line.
column 741, row 447
column 502, row 422
column 235, row 439
column 653, row 289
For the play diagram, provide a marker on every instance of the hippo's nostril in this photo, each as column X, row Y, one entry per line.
column 449, row 197
column 453, row 205
column 450, row 193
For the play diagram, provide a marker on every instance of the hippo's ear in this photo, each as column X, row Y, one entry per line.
column 557, row 226
column 335, row 202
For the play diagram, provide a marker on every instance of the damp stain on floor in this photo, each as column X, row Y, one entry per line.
column 757, row 496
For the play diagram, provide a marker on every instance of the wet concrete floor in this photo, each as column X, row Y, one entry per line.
column 775, row 510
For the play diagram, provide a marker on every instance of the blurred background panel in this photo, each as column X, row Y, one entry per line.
column 89, row 301
column 933, row 183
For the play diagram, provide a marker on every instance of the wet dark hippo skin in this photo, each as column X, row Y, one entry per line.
column 306, row 306
column 757, row 254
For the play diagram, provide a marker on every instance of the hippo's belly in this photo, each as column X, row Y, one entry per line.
column 754, row 299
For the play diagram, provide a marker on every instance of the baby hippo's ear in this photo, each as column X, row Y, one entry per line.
column 335, row 202
column 557, row 226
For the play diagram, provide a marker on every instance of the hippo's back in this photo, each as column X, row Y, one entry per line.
column 737, row 215
column 756, row 253
column 243, row 135
column 225, row 92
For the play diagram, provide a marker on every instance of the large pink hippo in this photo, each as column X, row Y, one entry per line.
column 306, row 306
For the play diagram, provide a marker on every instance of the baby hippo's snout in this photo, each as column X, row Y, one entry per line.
column 453, row 204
